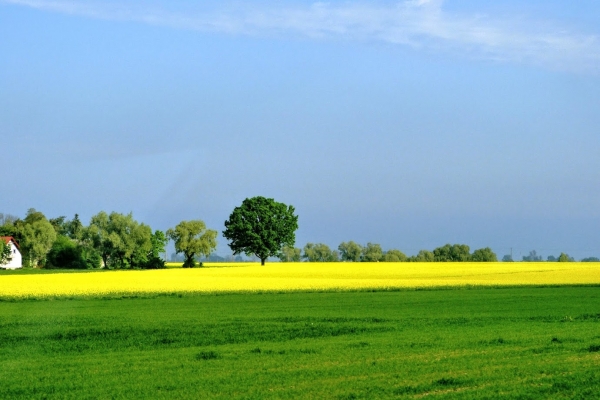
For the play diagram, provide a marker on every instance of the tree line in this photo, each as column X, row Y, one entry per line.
column 113, row 241
column 259, row 227
column 373, row 252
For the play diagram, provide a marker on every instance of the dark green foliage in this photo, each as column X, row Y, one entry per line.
column 484, row 255
column 564, row 258
column 65, row 254
column 452, row 253
column 591, row 259
column 261, row 227
column 154, row 263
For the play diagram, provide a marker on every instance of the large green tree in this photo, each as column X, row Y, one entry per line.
column 192, row 238
column 261, row 227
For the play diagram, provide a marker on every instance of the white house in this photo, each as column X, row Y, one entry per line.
column 16, row 261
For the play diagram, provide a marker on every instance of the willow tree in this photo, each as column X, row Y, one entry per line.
column 192, row 239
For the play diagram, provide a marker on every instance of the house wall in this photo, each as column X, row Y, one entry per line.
column 17, row 261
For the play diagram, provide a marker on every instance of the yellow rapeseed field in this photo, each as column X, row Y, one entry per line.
column 248, row 277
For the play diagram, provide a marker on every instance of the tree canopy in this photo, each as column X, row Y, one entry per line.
column 290, row 254
column 192, row 238
column 484, row 255
column 452, row 253
column 319, row 252
column 350, row 251
column 121, row 241
column 372, row 252
column 37, row 237
column 261, row 227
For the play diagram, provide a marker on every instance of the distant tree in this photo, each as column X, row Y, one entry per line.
column 423, row 256
column 590, row 259
column 261, row 227
column 372, row 252
column 452, row 253
column 394, row 255
column 7, row 219
column 551, row 258
column 484, row 255
column 532, row 257
column 564, row 258
column 507, row 258
column 290, row 254
column 319, row 252
column 192, row 238
column 177, row 257
column 350, row 251
column 37, row 237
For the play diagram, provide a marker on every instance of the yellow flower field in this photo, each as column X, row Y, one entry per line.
column 246, row 277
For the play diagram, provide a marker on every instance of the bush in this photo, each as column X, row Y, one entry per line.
column 67, row 254
column 154, row 263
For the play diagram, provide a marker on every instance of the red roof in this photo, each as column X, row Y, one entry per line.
column 8, row 239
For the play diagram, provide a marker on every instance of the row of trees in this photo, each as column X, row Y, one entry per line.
column 115, row 241
column 533, row 256
column 372, row 252
column 259, row 227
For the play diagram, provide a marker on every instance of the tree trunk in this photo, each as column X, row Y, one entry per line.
column 262, row 261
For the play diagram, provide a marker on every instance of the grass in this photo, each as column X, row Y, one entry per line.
column 522, row 343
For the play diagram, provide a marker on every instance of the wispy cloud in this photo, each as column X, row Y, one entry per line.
column 421, row 24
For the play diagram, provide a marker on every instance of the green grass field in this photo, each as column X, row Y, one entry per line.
column 525, row 343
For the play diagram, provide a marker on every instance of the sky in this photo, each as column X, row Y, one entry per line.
column 411, row 124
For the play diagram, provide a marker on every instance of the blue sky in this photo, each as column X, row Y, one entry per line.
column 411, row 124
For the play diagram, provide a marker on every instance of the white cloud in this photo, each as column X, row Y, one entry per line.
column 421, row 24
